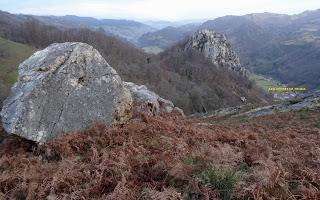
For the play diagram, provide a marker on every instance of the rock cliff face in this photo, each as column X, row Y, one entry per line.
column 64, row 88
column 215, row 47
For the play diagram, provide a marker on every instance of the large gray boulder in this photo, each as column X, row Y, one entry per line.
column 64, row 88
column 147, row 100
column 2, row 97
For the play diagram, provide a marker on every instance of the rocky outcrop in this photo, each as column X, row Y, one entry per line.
column 215, row 46
column 146, row 100
column 304, row 101
column 64, row 88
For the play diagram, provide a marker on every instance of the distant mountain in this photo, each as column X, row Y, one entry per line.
column 127, row 29
column 285, row 47
column 185, row 76
column 162, row 24
column 9, row 20
column 249, row 31
column 166, row 37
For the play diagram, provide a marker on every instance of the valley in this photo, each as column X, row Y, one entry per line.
column 142, row 109
column 284, row 47
column 184, row 85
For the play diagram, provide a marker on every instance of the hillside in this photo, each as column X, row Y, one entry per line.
column 125, row 29
column 166, row 157
column 285, row 47
column 224, row 88
column 282, row 46
column 11, row 55
column 167, row 36
column 216, row 78
column 112, row 109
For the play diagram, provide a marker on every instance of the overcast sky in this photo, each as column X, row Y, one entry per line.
column 172, row 10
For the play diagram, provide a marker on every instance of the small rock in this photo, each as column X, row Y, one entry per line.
column 146, row 100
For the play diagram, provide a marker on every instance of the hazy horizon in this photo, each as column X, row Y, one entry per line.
column 154, row 10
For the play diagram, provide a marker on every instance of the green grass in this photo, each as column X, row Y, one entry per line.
column 220, row 180
column 152, row 49
column 262, row 83
column 213, row 178
column 11, row 55
column 317, row 125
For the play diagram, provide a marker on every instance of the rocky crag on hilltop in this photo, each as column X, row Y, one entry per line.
column 216, row 47
column 67, row 87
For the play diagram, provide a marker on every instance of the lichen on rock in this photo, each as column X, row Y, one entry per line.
column 216, row 47
column 64, row 88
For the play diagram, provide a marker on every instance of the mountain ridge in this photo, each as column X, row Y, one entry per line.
column 187, row 87
column 285, row 47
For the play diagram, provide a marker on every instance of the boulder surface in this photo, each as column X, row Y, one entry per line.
column 216, row 47
column 64, row 88
column 147, row 100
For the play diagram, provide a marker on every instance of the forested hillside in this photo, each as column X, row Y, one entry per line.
column 123, row 29
column 167, row 36
column 285, row 47
column 112, row 109
column 202, row 89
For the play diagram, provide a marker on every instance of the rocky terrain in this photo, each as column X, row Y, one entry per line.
column 105, row 120
column 146, row 100
column 215, row 47
column 68, row 87
column 307, row 101
column 304, row 101
column 170, row 74
column 218, row 67
column 55, row 83
column 167, row 157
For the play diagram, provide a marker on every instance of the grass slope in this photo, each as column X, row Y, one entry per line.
column 152, row 49
column 269, row 157
column 11, row 55
column 264, row 83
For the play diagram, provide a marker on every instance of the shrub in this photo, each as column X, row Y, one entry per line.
column 218, row 179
